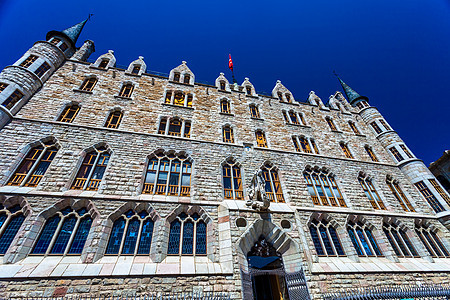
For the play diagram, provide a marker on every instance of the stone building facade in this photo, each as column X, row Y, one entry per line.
column 441, row 169
column 122, row 182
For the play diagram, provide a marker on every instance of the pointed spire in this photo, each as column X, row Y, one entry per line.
column 351, row 94
column 71, row 33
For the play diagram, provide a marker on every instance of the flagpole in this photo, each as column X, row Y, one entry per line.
column 230, row 65
column 234, row 79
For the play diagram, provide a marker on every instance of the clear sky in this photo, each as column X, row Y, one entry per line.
column 395, row 52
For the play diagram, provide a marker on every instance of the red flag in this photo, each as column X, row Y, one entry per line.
column 230, row 63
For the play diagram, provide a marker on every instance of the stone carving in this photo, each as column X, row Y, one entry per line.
column 258, row 198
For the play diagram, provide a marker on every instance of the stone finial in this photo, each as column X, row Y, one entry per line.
column 246, row 78
column 278, row 81
column 183, row 62
column 222, row 74
column 141, row 57
column 111, row 52
column 312, row 93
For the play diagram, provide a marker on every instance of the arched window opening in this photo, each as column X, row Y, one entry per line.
column 280, row 96
column 399, row 195
column 178, row 99
column 168, row 175
column 88, row 84
column 363, row 240
column 64, row 233
column 305, row 145
column 371, row 193
column 187, row 129
column 225, row 106
column 189, row 100
column 228, row 134
column 325, row 239
column 399, row 241
column 248, row 90
column 187, row 78
column 431, row 242
column 176, row 77
column 330, row 123
column 34, row 165
column 222, row 85
column 104, row 63
column 261, row 139
column 346, row 150
column 286, row 119
column 11, row 220
column 187, row 235
column 272, row 184
column 288, row 97
column 232, row 181
column 131, row 234
column 296, row 144
column 371, row 154
column 126, row 91
column 114, row 119
column 302, row 119
column 136, row 69
column 322, row 188
column 175, row 127
column 168, row 99
column 314, row 146
column 92, row 169
column 293, row 118
column 69, row 113
column 254, row 112
column 353, row 127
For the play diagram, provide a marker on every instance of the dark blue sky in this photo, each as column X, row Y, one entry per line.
column 396, row 52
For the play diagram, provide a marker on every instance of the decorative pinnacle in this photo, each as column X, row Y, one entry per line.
column 351, row 94
column 71, row 33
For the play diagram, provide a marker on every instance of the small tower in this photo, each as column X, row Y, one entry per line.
column 26, row 76
column 414, row 168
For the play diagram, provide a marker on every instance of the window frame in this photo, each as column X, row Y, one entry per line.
column 190, row 218
column 227, row 129
column 358, row 241
column 371, row 193
column 233, row 193
column 88, row 84
column 429, row 196
column 272, row 180
column 101, row 152
column 73, row 107
column 261, row 140
column 326, row 181
column 399, row 241
column 316, row 225
column 126, row 90
column 13, row 213
column 399, row 195
column 12, row 100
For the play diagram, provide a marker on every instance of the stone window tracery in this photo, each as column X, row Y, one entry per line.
column 325, row 238
column 363, row 240
column 12, row 100
column 272, row 183
column 92, row 169
column 131, row 234
column 399, row 241
column 64, row 233
column 431, row 241
column 168, row 174
column 232, row 181
column 11, row 220
column 89, row 84
column 35, row 164
column 114, row 119
column 322, row 187
column 187, row 235
column 398, row 194
column 69, row 113
column 371, row 192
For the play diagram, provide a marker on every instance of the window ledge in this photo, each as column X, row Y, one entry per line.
column 324, row 108
column 226, row 114
column 223, row 91
column 173, row 105
column 182, row 83
column 122, row 97
column 257, row 119
column 337, row 131
column 298, row 125
column 82, row 91
column 251, row 96
column 361, row 135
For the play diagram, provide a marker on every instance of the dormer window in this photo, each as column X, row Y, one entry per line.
column 136, row 69
column 248, row 89
column 176, row 77
column 127, row 90
column 222, row 85
column 103, row 64
column 288, row 98
column 280, row 96
column 187, row 78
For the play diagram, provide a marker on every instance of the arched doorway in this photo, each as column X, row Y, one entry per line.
column 267, row 272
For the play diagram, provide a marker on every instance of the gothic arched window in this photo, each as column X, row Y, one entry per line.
column 323, row 189
column 92, row 169
column 293, row 117
column 64, row 233
column 114, row 119
column 353, row 127
column 187, row 235
column 225, row 106
column 175, row 127
column 272, row 183
column 34, row 165
column 126, row 90
column 371, row 193
column 363, row 240
column 232, row 181
column 370, row 153
column 88, row 84
column 187, row 78
column 254, row 112
column 325, row 239
column 398, row 194
column 131, row 234
column 11, row 220
column 228, row 136
column 399, row 241
column 431, row 242
column 330, row 123
column 69, row 113
column 346, row 150
column 171, row 174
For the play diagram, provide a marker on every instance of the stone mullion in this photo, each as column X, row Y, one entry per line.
column 232, row 181
column 183, row 125
column 331, row 241
column 180, row 249
column 194, row 241
column 55, row 235
column 156, row 177
column 8, row 219
column 180, row 177
column 168, row 177
column 275, row 200
column 92, row 170
column 186, row 99
column 127, row 221
column 36, row 163
column 369, row 242
column 72, row 236
column 136, row 247
column 320, row 239
column 166, row 132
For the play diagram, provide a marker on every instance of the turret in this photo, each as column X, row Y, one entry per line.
column 20, row 81
column 414, row 168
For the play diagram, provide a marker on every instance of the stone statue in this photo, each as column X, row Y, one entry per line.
column 258, row 198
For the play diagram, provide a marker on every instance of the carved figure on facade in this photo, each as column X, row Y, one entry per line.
column 258, row 198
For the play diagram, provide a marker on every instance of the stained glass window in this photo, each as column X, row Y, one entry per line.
column 187, row 235
column 34, row 165
column 363, row 240
column 168, row 174
column 431, row 242
column 325, row 239
column 399, row 241
column 10, row 222
column 92, row 169
column 138, row 229
column 71, row 229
